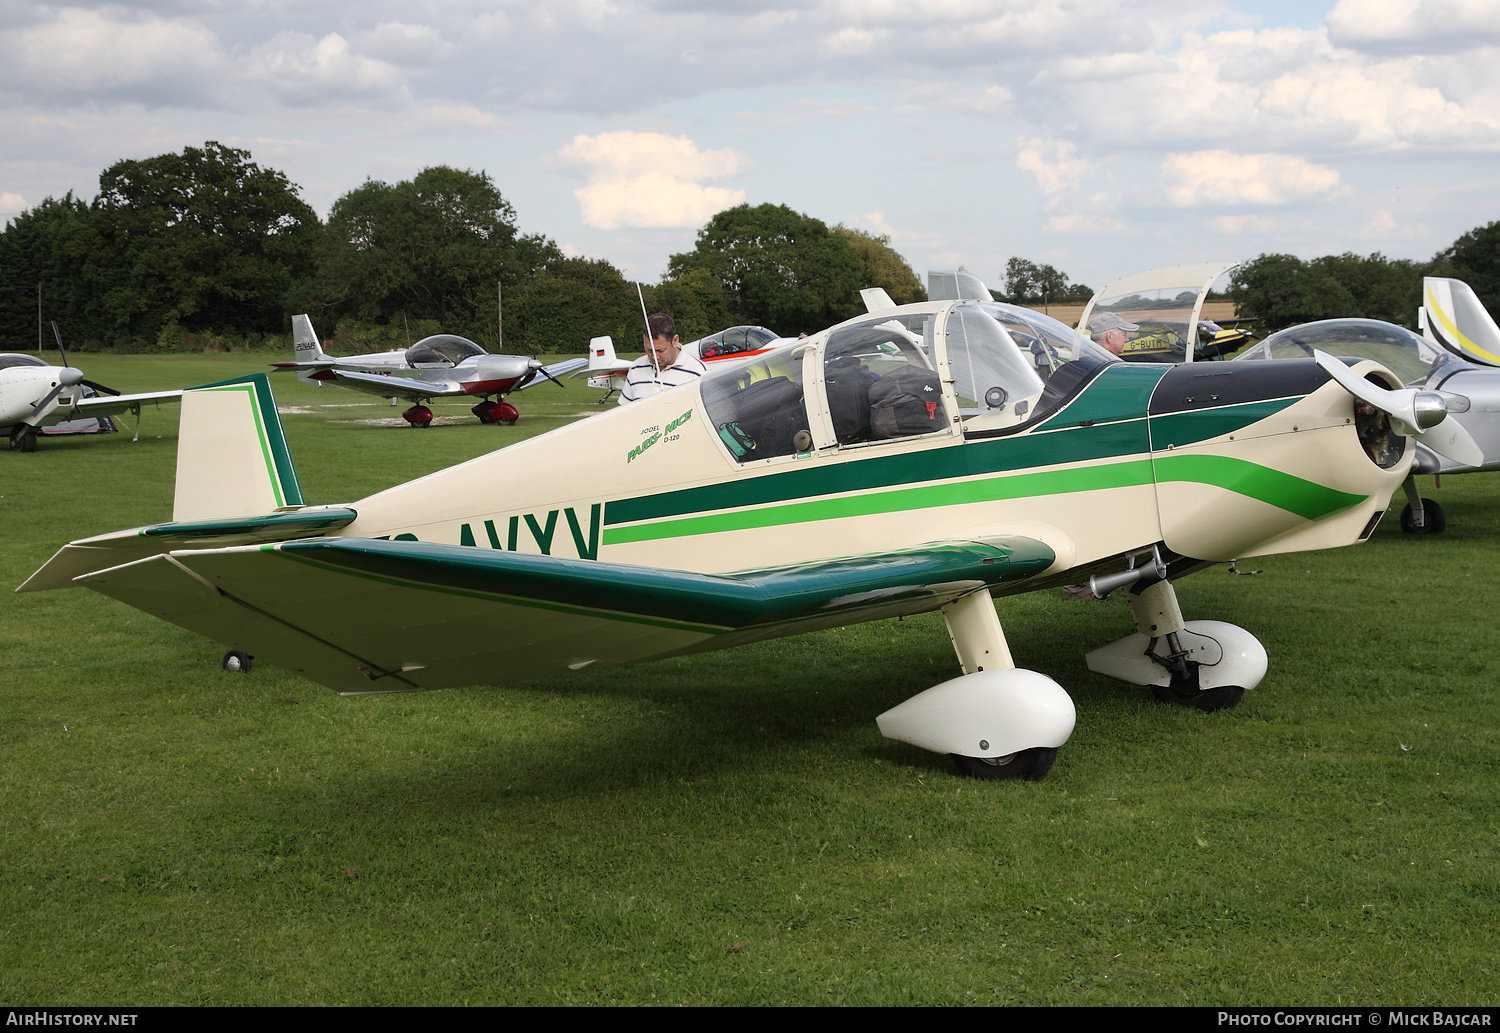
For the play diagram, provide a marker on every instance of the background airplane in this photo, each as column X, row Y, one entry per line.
column 1167, row 307
column 34, row 395
column 918, row 458
column 606, row 370
column 441, row 366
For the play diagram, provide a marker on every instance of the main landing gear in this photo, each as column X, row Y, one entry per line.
column 418, row 416
column 22, row 438
column 1421, row 516
column 501, row 412
column 999, row 721
column 996, row 721
column 1206, row 665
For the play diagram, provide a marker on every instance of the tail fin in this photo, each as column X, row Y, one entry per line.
column 232, row 457
column 1455, row 318
column 602, row 353
column 306, row 347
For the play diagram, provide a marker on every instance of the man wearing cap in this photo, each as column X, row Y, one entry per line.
column 1109, row 330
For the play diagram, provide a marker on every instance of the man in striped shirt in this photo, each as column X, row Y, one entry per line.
column 664, row 365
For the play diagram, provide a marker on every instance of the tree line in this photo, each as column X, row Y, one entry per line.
column 207, row 248
column 1284, row 290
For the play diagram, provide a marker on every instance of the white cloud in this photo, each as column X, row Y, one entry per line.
column 81, row 55
column 1414, row 25
column 1223, row 177
column 12, row 204
column 1055, row 164
column 304, row 71
column 1385, row 226
column 1283, row 88
column 1242, row 225
column 650, row 180
column 1086, row 224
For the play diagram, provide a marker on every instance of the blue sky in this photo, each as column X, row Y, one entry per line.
column 1102, row 137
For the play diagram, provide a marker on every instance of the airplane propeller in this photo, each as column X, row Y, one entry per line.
column 1419, row 414
column 66, row 377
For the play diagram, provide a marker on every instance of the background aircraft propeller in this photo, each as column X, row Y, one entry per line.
column 1420, row 414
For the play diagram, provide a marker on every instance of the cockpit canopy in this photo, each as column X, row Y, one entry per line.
column 10, row 359
column 971, row 367
column 442, row 350
column 1396, row 348
column 734, row 341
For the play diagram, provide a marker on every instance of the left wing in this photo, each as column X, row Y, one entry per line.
column 114, row 405
column 388, row 386
column 363, row 615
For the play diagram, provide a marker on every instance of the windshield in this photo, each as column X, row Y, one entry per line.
column 1155, row 322
column 442, row 350
column 1394, row 347
column 12, row 359
column 1003, row 360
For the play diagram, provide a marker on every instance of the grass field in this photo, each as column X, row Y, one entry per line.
column 731, row 828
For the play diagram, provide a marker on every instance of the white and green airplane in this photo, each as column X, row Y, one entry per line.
column 918, row 458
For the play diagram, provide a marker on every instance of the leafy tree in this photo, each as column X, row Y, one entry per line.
column 883, row 267
column 1475, row 259
column 695, row 301
column 569, row 301
column 433, row 247
column 205, row 239
column 1027, row 283
column 47, row 246
column 1283, row 290
column 777, row 267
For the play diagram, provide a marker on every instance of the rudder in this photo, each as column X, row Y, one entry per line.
column 232, row 456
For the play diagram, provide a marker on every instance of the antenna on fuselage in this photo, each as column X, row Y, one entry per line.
column 646, row 320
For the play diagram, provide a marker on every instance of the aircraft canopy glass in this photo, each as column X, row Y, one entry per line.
column 1394, row 347
column 733, row 341
column 442, row 350
column 1011, row 365
column 13, row 359
column 756, row 407
column 1163, row 316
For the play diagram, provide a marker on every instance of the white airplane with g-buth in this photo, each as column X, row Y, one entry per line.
column 923, row 457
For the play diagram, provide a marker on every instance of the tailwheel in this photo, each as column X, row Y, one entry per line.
column 418, row 416
column 1028, row 765
column 236, row 662
column 1434, row 520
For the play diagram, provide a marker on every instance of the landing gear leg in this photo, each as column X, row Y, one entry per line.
column 1421, row 516
column 1206, row 665
column 996, row 721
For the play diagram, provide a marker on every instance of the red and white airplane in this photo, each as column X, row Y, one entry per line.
column 440, row 366
column 607, row 371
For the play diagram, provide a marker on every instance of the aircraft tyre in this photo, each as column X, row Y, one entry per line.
column 1434, row 520
column 1184, row 692
column 23, row 440
column 236, row 662
column 1028, row 765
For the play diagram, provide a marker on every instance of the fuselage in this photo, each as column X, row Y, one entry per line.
column 1026, row 430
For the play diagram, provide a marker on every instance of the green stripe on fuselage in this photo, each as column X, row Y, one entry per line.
column 1307, row 499
column 928, row 496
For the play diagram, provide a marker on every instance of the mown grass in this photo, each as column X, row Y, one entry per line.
column 731, row 828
